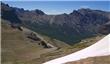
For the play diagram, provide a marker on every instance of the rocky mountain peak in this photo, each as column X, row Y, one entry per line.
column 39, row 12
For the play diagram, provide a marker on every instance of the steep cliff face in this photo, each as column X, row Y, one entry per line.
column 70, row 28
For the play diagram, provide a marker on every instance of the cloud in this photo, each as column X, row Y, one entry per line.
column 84, row 6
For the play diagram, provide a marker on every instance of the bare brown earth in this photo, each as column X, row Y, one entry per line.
column 93, row 60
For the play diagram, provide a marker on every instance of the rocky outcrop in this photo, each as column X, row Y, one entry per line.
column 34, row 37
column 9, row 13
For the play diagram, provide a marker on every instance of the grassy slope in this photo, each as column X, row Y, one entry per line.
column 17, row 49
column 93, row 60
column 68, row 50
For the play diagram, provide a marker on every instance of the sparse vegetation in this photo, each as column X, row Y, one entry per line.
column 93, row 60
column 17, row 49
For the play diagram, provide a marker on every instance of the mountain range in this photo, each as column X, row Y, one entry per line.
column 69, row 28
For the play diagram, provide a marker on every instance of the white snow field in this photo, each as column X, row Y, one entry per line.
column 100, row 48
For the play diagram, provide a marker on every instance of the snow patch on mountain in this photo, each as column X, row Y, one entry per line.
column 100, row 48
